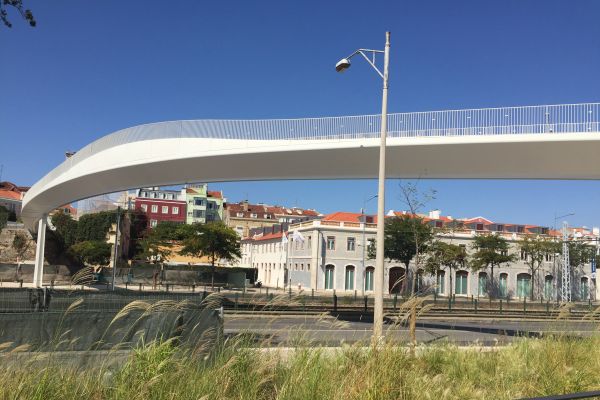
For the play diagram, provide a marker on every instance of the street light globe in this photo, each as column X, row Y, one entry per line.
column 342, row 65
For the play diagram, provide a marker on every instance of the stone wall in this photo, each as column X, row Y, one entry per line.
column 7, row 253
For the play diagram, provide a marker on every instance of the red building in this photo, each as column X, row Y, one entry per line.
column 161, row 205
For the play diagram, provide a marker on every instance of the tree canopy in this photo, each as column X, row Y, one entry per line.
column 445, row 255
column 26, row 14
column 157, row 243
column 66, row 227
column 490, row 251
column 214, row 240
column 92, row 252
column 401, row 241
column 535, row 249
column 20, row 245
column 95, row 226
column 580, row 253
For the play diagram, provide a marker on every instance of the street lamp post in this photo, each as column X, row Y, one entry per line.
column 341, row 66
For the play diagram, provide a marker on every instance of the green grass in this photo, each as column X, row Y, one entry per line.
column 530, row 367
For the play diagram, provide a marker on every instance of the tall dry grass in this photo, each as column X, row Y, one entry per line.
column 239, row 368
column 529, row 367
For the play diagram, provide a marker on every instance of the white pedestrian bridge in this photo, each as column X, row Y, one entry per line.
column 533, row 142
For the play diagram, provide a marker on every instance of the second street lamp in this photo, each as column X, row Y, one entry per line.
column 341, row 66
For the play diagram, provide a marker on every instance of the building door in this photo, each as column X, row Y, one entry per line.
column 349, row 283
column 419, row 277
column 329, row 276
column 503, row 285
column 548, row 292
column 369, row 279
column 440, row 282
column 396, row 281
column 462, row 278
column 482, row 286
column 584, row 289
column 523, row 285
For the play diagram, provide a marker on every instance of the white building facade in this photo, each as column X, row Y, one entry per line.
column 332, row 254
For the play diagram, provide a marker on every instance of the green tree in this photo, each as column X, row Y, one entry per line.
column 214, row 240
column 94, row 227
column 92, row 252
column 3, row 214
column 490, row 251
column 580, row 253
column 66, row 228
column 535, row 249
column 405, row 237
column 138, row 229
column 20, row 245
column 445, row 255
column 26, row 14
column 157, row 243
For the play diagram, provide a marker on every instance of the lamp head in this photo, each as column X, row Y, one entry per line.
column 342, row 65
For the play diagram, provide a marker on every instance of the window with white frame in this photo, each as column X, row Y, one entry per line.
column 240, row 215
column 351, row 244
column 144, row 207
column 154, row 208
column 153, row 223
column 175, row 210
column 165, row 209
column 330, row 242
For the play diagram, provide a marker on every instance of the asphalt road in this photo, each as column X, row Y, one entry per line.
column 328, row 331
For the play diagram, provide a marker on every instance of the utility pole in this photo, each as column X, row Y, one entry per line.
column 565, row 290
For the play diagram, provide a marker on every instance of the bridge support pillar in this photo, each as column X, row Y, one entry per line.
column 38, row 272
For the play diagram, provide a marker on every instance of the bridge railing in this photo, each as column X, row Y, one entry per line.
column 563, row 118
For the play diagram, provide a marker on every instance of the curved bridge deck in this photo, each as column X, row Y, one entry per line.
column 536, row 142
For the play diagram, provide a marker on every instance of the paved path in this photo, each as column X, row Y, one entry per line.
column 326, row 330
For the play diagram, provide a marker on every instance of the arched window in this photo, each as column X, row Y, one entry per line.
column 584, row 289
column 349, row 277
column 503, row 284
column 548, row 287
column 369, row 272
column 462, row 278
column 523, row 285
column 440, row 282
column 329, row 275
column 482, row 284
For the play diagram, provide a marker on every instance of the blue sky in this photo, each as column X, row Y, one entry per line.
column 91, row 68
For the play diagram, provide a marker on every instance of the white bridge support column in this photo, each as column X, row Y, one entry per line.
column 38, row 272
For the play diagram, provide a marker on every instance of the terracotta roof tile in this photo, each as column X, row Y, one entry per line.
column 9, row 194
column 269, row 236
column 215, row 194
